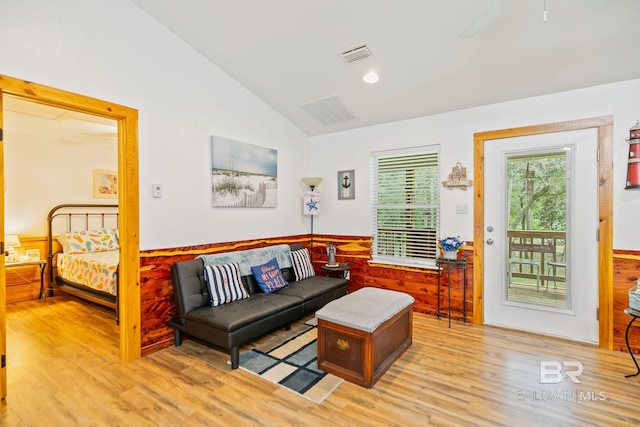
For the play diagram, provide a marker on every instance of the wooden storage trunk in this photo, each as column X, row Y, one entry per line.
column 363, row 357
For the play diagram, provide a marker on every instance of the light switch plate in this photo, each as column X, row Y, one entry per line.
column 156, row 190
column 462, row 208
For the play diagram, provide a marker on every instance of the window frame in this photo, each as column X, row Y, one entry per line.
column 430, row 201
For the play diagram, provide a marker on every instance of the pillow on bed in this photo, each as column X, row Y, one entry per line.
column 224, row 282
column 269, row 277
column 79, row 242
column 302, row 266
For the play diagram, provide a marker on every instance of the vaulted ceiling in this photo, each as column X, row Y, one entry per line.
column 432, row 56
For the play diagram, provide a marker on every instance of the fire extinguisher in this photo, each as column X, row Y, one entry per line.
column 633, row 167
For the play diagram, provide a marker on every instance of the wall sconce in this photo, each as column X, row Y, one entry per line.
column 311, row 204
column 11, row 241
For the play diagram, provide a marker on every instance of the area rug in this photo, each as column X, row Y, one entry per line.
column 293, row 365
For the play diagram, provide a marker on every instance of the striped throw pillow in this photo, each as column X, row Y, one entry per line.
column 302, row 266
column 225, row 284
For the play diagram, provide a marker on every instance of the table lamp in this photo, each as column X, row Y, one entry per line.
column 11, row 241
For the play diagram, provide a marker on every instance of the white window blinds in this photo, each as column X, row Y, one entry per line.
column 405, row 201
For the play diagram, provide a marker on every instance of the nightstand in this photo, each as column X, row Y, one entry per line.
column 40, row 262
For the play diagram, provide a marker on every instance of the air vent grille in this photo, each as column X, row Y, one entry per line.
column 329, row 110
column 356, row 53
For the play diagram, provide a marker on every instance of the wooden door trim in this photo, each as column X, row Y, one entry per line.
column 604, row 125
column 128, row 194
column 3, row 276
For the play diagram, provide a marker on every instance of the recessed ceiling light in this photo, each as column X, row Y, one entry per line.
column 371, row 77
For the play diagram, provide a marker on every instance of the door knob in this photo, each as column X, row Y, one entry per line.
column 489, row 241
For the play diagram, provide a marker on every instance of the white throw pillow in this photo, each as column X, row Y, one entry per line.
column 302, row 266
column 225, row 284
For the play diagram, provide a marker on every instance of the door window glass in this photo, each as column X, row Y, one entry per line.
column 537, row 205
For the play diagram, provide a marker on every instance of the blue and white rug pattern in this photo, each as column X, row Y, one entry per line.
column 293, row 365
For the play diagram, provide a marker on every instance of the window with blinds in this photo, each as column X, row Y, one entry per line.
column 405, row 205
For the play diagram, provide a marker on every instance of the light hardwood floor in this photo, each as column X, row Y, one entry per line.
column 63, row 369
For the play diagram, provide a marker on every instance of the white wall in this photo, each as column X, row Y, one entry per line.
column 454, row 132
column 114, row 51
column 42, row 172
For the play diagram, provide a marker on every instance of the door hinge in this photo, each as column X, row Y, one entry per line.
column 598, row 313
column 597, row 234
column 0, row 134
column 4, row 361
column 598, row 154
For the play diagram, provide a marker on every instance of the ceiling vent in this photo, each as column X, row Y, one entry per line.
column 356, row 53
column 329, row 110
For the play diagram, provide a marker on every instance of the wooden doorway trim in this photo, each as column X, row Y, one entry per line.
column 128, row 194
column 604, row 125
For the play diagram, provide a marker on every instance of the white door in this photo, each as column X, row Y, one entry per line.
column 541, row 222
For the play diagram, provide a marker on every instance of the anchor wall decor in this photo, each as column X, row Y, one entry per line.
column 346, row 184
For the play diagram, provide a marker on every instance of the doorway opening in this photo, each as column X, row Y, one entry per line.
column 128, row 200
column 603, row 128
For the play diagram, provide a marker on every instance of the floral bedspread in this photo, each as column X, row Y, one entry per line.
column 96, row 270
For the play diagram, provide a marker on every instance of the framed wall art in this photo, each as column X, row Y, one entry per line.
column 347, row 184
column 105, row 184
column 243, row 175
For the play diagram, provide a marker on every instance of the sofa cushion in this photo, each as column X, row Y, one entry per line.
column 302, row 266
column 237, row 314
column 224, row 283
column 190, row 290
column 269, row 276
column 312, row 287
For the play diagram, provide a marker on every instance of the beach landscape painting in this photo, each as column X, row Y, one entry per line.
column 243, row 175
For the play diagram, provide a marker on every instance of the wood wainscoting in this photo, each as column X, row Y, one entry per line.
column 157, row 304
column 420, row 283
column 626, row 272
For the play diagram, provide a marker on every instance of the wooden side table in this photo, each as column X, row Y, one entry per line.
column 343, row 269
column 42, row 263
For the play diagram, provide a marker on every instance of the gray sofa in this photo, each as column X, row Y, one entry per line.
column 231, row 325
